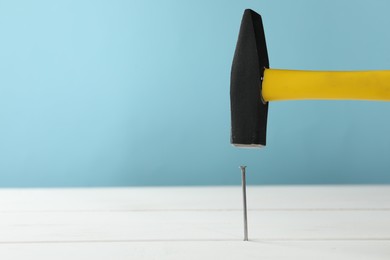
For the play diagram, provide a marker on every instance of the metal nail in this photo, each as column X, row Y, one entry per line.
column 244, row 202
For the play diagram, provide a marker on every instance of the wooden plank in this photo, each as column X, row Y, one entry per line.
column 192, row 198
column 345, row 250
column 193, row 226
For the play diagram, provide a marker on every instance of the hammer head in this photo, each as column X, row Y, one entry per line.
column 248, row 110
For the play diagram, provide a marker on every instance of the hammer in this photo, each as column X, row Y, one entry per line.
column 253, row 84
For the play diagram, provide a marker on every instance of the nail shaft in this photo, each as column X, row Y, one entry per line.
column 244, row 202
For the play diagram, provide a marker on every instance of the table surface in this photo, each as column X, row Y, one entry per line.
column 285, row 222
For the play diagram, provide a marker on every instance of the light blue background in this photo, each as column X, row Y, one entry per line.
column 99, row 93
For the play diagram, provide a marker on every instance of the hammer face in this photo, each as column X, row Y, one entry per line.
column 248, row 112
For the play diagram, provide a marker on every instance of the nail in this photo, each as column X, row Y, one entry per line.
column 244, row 202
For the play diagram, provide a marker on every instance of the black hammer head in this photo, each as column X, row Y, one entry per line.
column 248, row 111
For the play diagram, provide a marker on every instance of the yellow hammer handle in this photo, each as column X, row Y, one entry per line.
column 281, row 85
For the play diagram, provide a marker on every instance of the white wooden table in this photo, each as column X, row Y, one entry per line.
column 297, row 222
